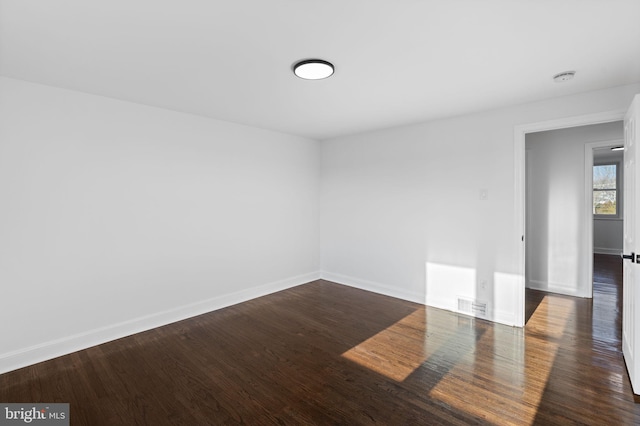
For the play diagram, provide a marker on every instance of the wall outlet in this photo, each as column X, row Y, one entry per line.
column 484, row 194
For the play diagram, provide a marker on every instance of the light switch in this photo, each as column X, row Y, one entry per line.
column 484, row 194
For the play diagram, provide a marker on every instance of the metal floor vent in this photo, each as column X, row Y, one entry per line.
column 472, row 307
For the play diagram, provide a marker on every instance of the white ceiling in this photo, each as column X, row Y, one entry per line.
column 397, row 61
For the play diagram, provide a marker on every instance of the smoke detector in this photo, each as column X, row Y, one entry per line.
column 564, row 76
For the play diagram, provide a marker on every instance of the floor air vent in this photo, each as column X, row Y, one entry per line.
column 472, row 307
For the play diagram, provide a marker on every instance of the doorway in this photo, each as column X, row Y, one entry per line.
column 559, row 205
column 520, row 133
column 631, row 116
column 604, row 196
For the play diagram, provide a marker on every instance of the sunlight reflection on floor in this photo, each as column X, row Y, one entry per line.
column 396, row 351
column 467, row 382
column 477, row 376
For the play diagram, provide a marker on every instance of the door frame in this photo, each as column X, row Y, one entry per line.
column 520, row 132
column 588, row 198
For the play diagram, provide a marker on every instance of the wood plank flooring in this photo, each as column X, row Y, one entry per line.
column 323, row 353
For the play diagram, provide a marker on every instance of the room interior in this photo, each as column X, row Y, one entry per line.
column 161, row 161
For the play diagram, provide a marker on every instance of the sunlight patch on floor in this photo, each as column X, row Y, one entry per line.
column 494, row 372
column 399, row 350
column 486, row 389
column 396, row 351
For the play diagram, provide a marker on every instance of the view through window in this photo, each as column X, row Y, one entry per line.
column 605, row 194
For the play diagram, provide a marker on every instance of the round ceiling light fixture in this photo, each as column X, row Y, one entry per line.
column 313, row 69
column 564, row 76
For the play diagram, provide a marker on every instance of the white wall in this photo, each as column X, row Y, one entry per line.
column 556, row 207
column 608, row 236
column 608, row 233
column 118, row 217
column 401, row 210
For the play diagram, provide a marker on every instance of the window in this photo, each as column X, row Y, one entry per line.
column 605, row 190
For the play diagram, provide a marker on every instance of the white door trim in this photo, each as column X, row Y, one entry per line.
column 520, row 132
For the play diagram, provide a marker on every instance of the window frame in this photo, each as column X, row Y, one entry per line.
column 618, row 214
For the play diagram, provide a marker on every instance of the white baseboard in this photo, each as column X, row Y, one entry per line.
column 373, row 287
column 506, row 318
column 558, row 288
column 603, row 250
column 66, row 345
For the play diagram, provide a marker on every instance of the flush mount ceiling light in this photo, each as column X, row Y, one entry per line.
column 313, row 69
column 564, row 76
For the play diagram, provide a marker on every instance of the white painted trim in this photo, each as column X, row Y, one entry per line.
column 605, row 250
column 55, row 348
column 446, row 304
column 520, row 224
column 374, row 287
column 506, row 318
column 553, row 287
column 576, row 121
column 520, row 132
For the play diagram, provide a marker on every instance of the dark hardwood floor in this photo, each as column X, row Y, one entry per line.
column 323, row 353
